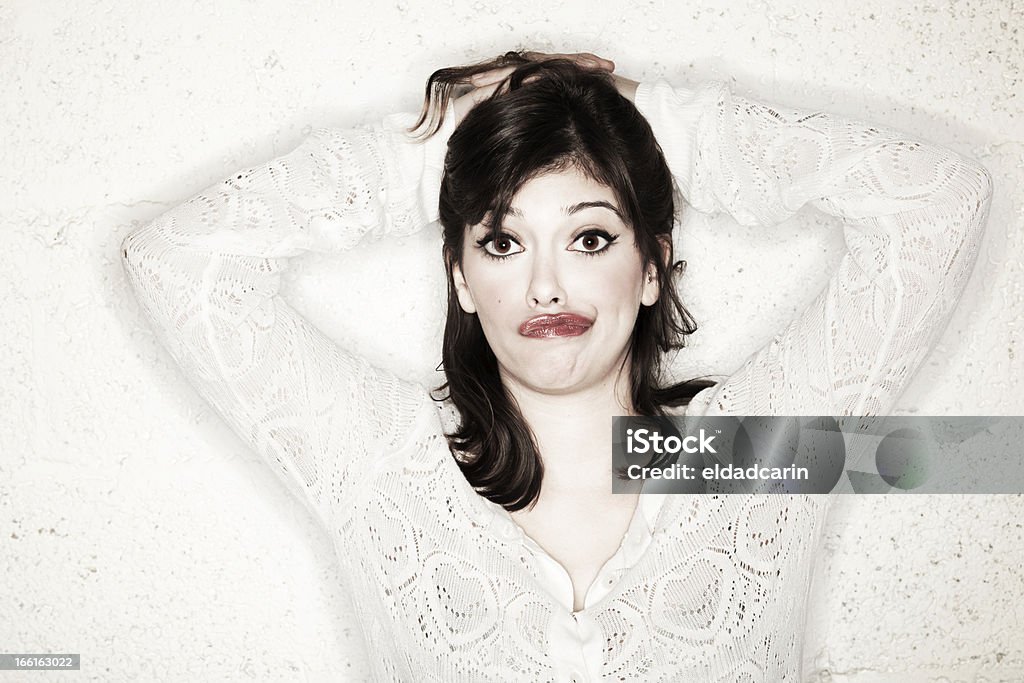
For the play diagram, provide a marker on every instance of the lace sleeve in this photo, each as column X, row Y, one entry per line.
column 913, row 220
column 207, row 274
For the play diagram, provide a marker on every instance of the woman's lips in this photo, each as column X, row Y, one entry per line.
column 561, row 325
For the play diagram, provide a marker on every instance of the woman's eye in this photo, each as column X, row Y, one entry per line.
column 503, row 245
column 592, row 242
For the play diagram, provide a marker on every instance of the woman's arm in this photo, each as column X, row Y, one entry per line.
column 914, row 215
column 207, row 275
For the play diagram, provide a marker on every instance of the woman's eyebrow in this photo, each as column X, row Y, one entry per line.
column 570, row 210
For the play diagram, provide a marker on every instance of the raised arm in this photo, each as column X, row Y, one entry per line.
column 913, row 216
column 207, row 275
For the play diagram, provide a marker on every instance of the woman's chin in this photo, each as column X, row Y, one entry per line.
column 559, row 376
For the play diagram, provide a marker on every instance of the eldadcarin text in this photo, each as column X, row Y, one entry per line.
column 642, row 441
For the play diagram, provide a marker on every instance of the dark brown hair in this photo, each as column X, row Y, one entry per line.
column 547, row 115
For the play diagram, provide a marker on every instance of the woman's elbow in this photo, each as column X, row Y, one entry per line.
column 128, row 246
column 974, row 186
column 965, row 211
column 978, row 187
column 138, row 242
column 985, row 183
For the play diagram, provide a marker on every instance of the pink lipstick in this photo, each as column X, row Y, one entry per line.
column 560, row 325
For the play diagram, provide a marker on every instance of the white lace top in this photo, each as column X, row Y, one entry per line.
column 447, row 587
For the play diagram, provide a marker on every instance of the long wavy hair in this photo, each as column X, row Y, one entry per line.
column 546, row 116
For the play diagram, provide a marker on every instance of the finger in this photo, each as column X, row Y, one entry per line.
column 483, row 92
column 471, row 99
column 491, row 77
column 474, row 97
column 596, row 62
column 544, row 56
column 585, row 59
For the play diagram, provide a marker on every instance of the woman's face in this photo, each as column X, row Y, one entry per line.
column 557, row 293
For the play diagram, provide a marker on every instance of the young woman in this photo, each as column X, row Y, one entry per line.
column 478, row 534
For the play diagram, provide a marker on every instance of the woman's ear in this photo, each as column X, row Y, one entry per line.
column 651, row 287
column 462, row 290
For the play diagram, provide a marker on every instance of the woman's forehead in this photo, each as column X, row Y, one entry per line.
column 562, row 193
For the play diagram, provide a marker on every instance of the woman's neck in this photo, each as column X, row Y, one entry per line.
column 573, row 431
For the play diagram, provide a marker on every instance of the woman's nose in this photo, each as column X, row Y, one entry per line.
column 545, row 284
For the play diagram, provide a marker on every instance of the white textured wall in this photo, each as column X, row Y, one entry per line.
column 137, row 530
